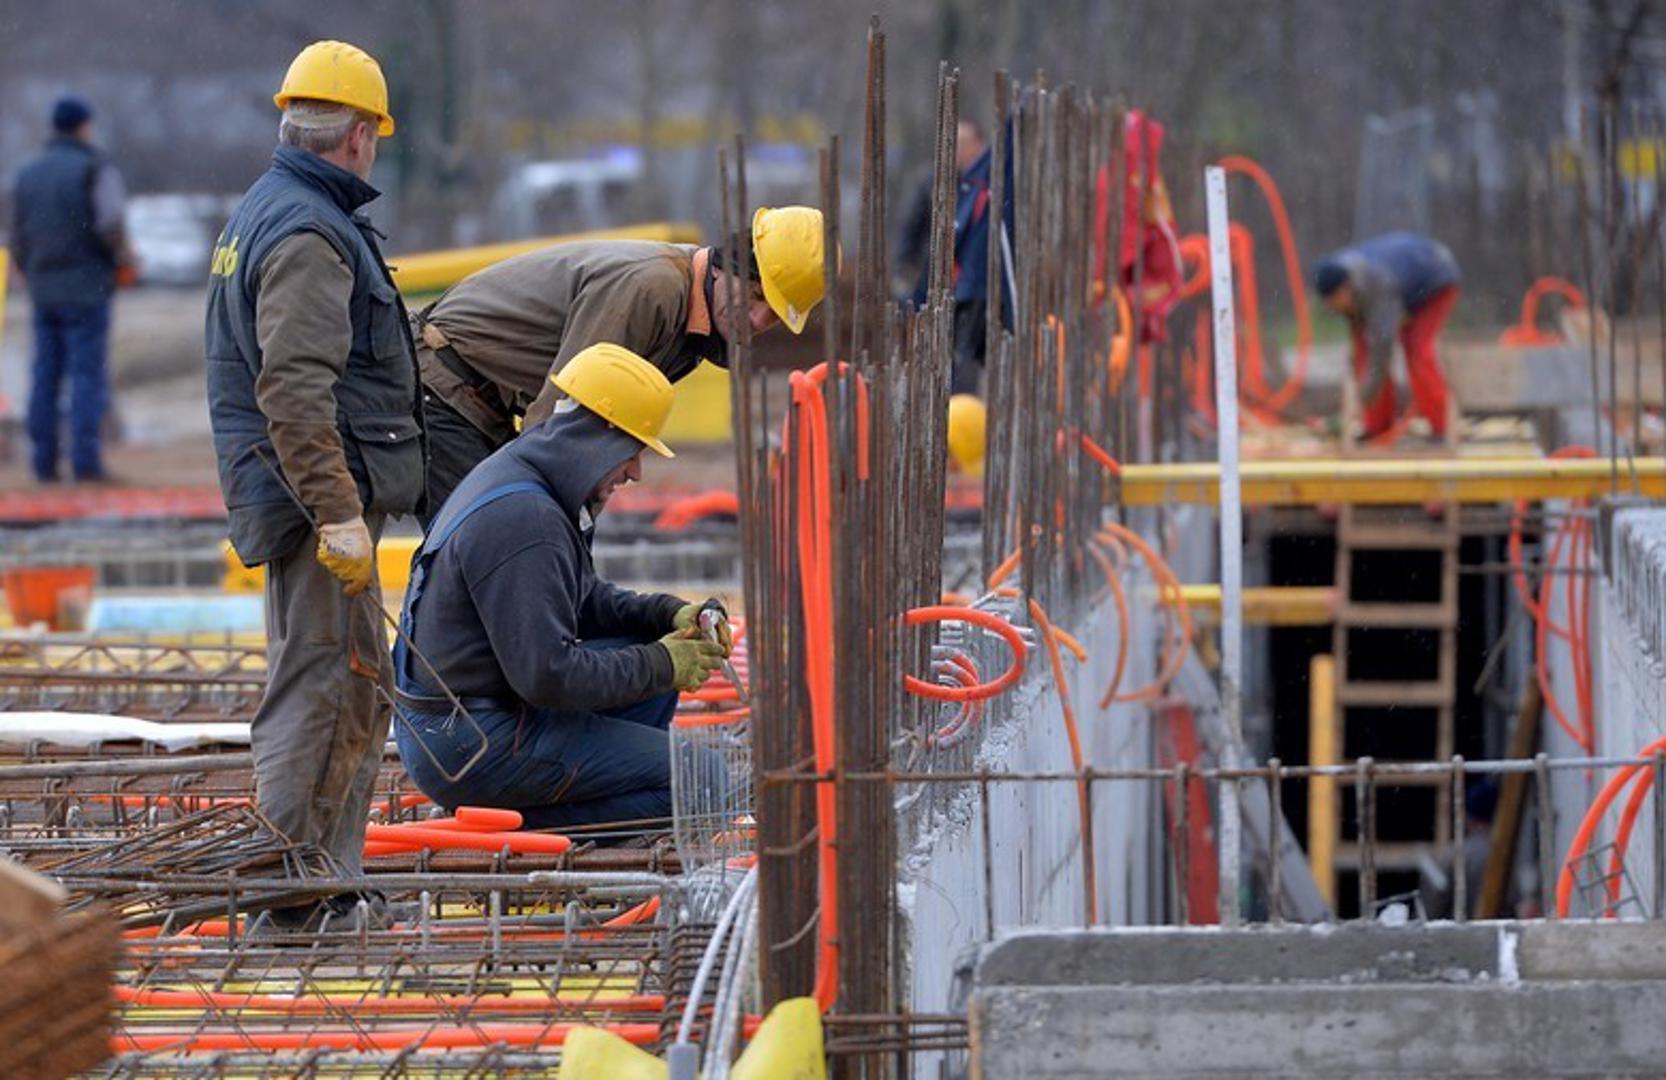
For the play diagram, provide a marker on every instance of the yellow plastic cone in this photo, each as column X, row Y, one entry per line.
column 593, row 1054
column 786, row 1047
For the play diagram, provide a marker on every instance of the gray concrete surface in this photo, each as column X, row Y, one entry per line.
column 1438, row 1000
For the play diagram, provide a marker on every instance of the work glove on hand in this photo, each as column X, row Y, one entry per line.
column 693, row 658
column 347, row 551
column 688, row 618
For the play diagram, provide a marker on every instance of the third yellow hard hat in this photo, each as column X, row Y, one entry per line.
column 342, row 73
column 787, row 244
column 621, row 388
column 968, row 423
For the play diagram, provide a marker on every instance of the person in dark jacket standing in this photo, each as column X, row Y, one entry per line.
column 312, row 391
column 488, row 347
column 68, row 241
column 971, row 253
column 1398, row 285
column 571, row 680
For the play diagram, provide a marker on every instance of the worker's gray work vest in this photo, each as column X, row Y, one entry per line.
column 378, row 408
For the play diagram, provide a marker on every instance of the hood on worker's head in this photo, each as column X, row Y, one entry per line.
column 573, row 451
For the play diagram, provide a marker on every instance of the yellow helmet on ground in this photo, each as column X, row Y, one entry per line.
column 968, row 420
column 787, row 244
column 621, row 388
column 342, row 73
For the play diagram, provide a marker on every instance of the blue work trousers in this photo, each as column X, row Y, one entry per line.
column 558, row 769
column 70, row 343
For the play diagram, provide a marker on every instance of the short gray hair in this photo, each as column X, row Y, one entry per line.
column 319, row 127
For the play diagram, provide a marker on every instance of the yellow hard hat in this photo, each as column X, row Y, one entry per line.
column 621, row 388
column 342, row 73
column 967, row 423
column 787, row 245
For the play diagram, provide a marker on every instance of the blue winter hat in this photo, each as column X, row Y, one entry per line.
column 70, row 113
column 1329, row 275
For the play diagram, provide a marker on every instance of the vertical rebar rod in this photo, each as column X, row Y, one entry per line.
column 1460, row 866
column 1547, row 834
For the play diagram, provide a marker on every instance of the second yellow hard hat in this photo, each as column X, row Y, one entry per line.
column 621, row 388
column 787, row 244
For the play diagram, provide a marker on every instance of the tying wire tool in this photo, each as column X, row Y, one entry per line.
column 456, row 703
column 712, row 620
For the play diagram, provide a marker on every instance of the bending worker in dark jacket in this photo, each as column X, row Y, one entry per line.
column 573, row 679
column 489, row 346
column 1396, row 285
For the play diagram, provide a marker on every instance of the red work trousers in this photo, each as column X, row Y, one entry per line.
column 1428, row 382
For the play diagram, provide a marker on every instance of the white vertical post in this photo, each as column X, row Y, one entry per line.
column 1232, row 541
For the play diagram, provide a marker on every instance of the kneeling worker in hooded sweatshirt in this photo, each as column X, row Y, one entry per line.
column 573, row 679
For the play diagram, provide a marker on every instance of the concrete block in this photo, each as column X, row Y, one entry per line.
column 1379, row 1030
column 1324, row 953
column 1607, row 950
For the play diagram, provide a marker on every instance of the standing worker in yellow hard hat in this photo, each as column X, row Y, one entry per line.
column 573, row 680
column 313, row 395
column 488, row 346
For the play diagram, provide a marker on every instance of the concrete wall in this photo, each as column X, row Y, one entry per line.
column 1571, row 789
column 1630, row 668
column 1031, row 874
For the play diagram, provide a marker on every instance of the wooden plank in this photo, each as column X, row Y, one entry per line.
column 1512, row 797
column 1422, row 536
column 1420, row 694
column 28, row 901
column 1398, row 616
column 1323, row 809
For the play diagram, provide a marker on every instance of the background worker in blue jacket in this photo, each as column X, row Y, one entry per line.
column 68, row 240
column 971, row 253
column 572, row 679
column 1398, row 285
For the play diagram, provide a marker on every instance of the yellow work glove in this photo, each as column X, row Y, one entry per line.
column 347, row 551
column 693, row 659
column 688, row 618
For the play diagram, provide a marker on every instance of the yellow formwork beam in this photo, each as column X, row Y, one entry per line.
column 1390, row 481
column 1265, row 605
column 434, row 271
column 393, row 567
column 1322, row 808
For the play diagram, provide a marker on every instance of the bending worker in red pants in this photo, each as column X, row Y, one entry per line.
column 1398, row 284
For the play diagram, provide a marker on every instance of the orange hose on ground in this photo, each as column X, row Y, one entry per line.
column 311, row 1004
column 1083, row 801
column 425, row 1037
column 685, row 512
column 416, row 836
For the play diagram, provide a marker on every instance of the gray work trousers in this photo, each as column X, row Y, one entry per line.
column 318, row 735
